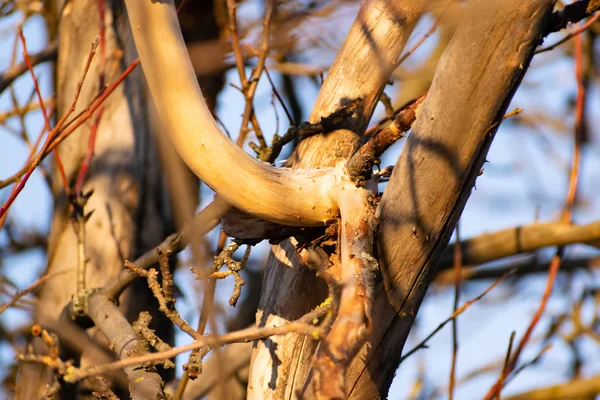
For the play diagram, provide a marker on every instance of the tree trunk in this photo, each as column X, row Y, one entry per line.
column 472, row 88
column 280, row 365
column 130, row 211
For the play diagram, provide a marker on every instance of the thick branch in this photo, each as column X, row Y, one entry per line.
column 521, row 239
column 294, row 197
column 143, row 383
column 281, row 366
column 474, row 82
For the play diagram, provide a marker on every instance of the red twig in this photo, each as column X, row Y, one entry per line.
column 554, row 266
column 579, row 110
column 87, row 113
column 88, row 157
column 48, row 146
column 494, row 391
column 59, row 163
column 101, row 83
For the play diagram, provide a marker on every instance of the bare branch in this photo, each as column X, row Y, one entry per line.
column 522, row 239
column 144, row 383
column 8, row 76
column 295, row 197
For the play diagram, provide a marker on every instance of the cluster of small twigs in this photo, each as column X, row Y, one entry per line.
column 224, row 258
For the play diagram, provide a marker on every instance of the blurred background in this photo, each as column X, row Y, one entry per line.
column 525, row 181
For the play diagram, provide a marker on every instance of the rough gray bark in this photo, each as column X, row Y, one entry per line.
column 475, row 80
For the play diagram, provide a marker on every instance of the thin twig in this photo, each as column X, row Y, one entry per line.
column 31, row 288
column 427, row 34
column 506, row 361
column 463, row 308
column 566, row 217
column 46, row 148
column 36, row 85
column 276, row 92
column 241, row 336
column 457, row 280
column 60, row 132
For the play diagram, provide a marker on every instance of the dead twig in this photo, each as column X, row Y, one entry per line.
column 31, row 288
column 47, row 54
column 463, row 308
column 361, row 163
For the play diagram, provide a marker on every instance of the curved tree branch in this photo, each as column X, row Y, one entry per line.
column 275, row 194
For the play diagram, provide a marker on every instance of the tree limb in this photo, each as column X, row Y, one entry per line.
column 144, row 382
column 299, row 198
column 521, row 239
column 281, row 366
column 474, row 82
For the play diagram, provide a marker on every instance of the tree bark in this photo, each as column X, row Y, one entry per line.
column 130, row 210
column 280, row 365
column 473, row 85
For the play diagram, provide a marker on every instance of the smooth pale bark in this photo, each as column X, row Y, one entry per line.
column 281, row 365
column 475, row 80
column 294, row 197
column 130, row 212
column 587, row 388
